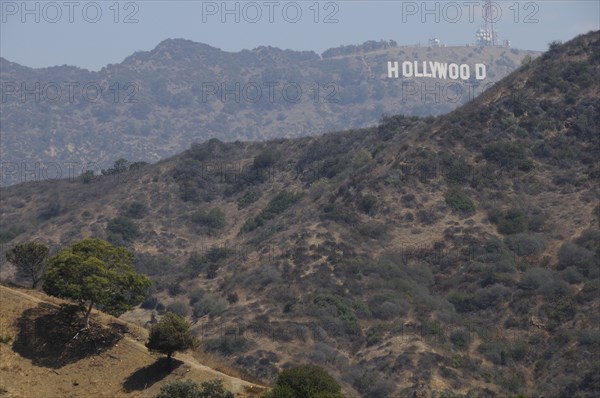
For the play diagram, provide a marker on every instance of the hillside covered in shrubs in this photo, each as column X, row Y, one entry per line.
column 456, row 254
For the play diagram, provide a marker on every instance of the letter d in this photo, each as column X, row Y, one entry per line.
column 480, row 71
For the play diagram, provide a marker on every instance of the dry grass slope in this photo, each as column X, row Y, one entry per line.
column 124, row 368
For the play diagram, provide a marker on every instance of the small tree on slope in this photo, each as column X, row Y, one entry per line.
column 30, row 260
column 172, row 333
column 95, row 273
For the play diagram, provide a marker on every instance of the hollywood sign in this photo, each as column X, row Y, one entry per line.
column 436, row 70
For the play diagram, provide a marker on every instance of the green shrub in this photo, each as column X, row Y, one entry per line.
column 571, row 275
column 276, row 206
column 510, row 222
column 339, row 213
column 212, row 221
column 208, row 262
column 508, row 155
column 123, row 227
column 458, row 201
column 251, row 195
column 491, row 296
column 589, row 337
column 135, row 210
column 589, row 239
column 209, row 305
column 337, row 307
column 189, row 389
column 571, row 254
column 305, row 381
column 6, row 235
column 375, row 335
column 227, row 345
column 333, row 167
column 368, row 204
column 535, row 278
column 179, row 389
column 386, row 306
column 524, row 244
column 462, row 301
column 180, row 308
column 454, row 170
column 460, row 339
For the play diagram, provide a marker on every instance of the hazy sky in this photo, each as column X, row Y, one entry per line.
column 93, row 34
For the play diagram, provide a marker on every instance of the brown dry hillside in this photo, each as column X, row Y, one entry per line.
column 121, row 368
column 453, row 255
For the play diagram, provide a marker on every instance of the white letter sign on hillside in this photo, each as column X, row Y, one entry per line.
column 436, row 70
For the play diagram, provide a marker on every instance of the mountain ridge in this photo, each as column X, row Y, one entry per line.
column 154, row 103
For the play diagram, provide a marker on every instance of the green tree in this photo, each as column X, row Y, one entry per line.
column 189, row 389
column 95, row 273
column 30, row 260
column 172, row 333
column 306, row 381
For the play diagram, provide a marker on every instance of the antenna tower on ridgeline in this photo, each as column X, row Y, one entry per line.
column 487, row 36
column 490, row 25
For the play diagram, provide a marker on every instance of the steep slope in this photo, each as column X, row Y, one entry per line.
column 454, row 254
column 153, row 104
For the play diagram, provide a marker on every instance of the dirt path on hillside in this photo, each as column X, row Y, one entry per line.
column 130, row 341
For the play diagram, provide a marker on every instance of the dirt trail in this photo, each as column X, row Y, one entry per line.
column 233, row 383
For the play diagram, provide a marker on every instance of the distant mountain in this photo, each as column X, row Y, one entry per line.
column 153, row 104
column 452, row 256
